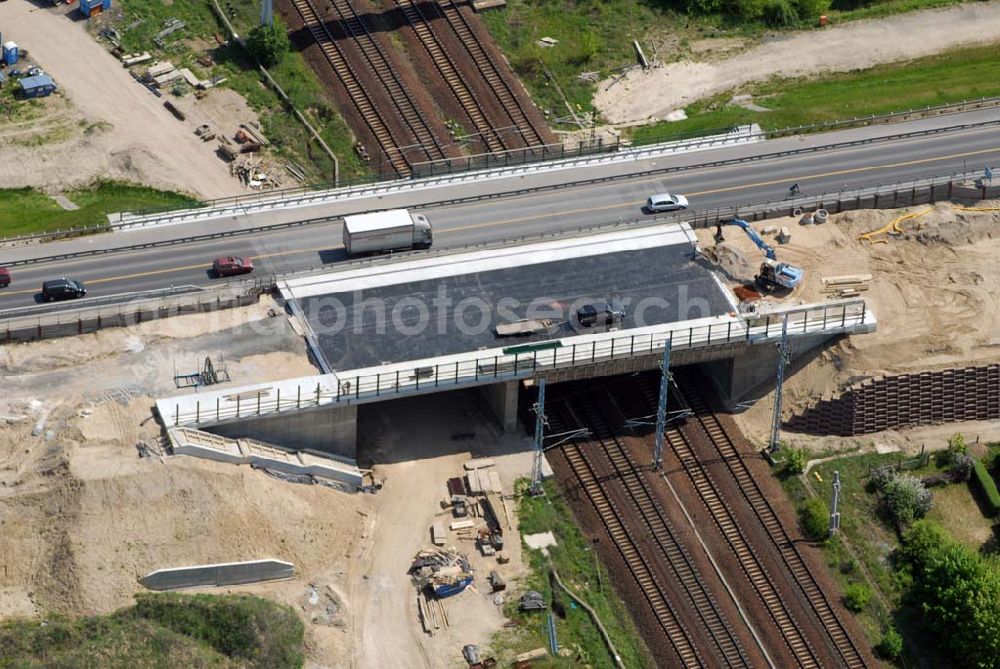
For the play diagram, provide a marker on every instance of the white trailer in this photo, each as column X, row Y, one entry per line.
column 382, row 231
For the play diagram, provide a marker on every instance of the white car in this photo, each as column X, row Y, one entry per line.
column 666, row 202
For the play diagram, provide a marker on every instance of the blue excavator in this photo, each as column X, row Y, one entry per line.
column 773, row 275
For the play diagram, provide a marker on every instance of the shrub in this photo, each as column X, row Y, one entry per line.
column 810, row 9
column 749, row 10
column 906, row 499
column 957, row 591
column 988, row 487
column 891, row 645
column 814, row 519
column 795, row 461
column 268, row 44
column 880, row 477
column 956, row 446
column 857, row 596
column 961, row 467
column 779, row 13
column 703, row 6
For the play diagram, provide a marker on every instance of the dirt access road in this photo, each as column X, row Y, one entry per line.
column 643, row 97
column 144, row 143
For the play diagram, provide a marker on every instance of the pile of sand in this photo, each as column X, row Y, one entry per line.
column 934, row 289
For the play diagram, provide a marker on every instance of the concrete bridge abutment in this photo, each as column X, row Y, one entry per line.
column 331, row 429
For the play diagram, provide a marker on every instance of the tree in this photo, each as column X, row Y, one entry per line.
column 891, row 645
column 815, row 519
column 906, row 499
column 268, row 44
column 857, row 596
column 957, row 592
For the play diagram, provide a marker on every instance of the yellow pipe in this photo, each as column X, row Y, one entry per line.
column 893, row 225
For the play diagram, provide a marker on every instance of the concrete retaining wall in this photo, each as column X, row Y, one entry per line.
column 906, row 400
column 213, row 575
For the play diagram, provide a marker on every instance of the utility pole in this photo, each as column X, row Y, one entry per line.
column 266, row 13
column 773, row 446
column 834, row 505
column 540, row 420
column 661, row 408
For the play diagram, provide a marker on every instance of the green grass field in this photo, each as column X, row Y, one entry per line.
column 597, row 37
column 949, row 77
column 873, row 538
column 25, row 210
column 581, row 571
column 162, row 630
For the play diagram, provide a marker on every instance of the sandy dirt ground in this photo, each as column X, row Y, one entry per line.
column 647, row 96
column 934, row 290
column 116, row 128
column 416, row 442
column 82, row 516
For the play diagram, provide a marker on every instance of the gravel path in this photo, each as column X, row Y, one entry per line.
column 141, row 142
column 649, row 96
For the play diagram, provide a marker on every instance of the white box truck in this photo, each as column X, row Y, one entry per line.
column 382, row 231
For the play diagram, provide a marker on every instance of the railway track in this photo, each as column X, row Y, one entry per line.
column 510, row 102
column 359, row 96
column 402, row 101
column 451, row 74
column 661, row 531
column 728, row 525
column 662, row 537
column 793, row 560
column 665, row 615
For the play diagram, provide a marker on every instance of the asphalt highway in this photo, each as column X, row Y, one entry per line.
column 527, row 214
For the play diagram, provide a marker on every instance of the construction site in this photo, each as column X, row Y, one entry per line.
column 103, row 438
column 361, row 435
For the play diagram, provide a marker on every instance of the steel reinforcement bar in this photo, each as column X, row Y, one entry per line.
column 694, row 396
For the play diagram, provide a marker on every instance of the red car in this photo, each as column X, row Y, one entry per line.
column 232, row 266
column 4, row 277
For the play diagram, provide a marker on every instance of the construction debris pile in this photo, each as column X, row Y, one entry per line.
column 254, row 173
column 444, row 573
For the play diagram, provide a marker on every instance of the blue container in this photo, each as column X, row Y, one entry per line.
column 10, row 54
column 87, row 7
column 39, row 86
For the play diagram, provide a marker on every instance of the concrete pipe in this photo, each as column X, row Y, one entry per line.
column 797, row 211
column 820, row 216
column 807, row 219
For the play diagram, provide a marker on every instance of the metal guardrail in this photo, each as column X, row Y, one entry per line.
column 937, row 110
column 285, row 194
column 534, row 189
column 134, row 308
column 327, row 196
column 834, row 317
column 92, row 302
column 899, row 194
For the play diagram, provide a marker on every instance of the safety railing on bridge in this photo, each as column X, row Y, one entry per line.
column 528, row 361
